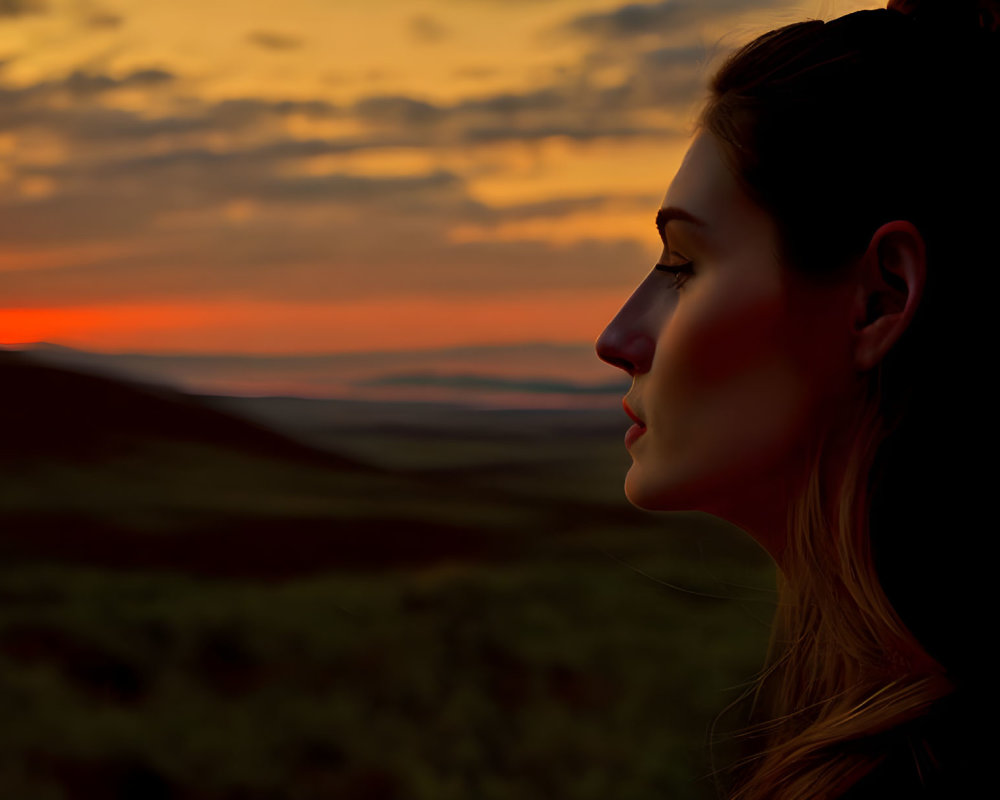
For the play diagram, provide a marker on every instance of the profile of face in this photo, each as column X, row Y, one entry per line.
column 735, row 360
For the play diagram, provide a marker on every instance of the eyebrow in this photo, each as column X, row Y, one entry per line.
column 664, row 215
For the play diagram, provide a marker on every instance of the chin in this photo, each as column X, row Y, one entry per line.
column 653, row 495
column 677, row 490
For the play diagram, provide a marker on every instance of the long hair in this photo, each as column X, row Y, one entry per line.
column 844, row 669
column 836, row 128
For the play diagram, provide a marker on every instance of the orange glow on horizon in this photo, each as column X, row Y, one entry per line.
column 403, row 323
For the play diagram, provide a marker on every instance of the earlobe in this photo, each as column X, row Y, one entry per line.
column 892, row 274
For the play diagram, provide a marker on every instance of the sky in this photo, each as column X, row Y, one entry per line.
column 321, row 176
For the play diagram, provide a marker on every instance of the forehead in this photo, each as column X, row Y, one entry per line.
column 706, row 187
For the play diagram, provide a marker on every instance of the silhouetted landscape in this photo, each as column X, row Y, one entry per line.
column 276, row 597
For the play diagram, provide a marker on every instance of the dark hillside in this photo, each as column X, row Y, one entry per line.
column 55, row 413
column 101, row 471
column 463, row 605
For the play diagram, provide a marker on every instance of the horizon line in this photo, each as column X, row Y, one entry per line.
column 22, row 346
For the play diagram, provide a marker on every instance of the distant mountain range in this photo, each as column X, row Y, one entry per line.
column 539, row 375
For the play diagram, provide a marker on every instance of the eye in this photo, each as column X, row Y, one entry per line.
column 681, row 272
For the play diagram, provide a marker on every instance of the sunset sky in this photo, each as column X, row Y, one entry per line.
column 331, row 175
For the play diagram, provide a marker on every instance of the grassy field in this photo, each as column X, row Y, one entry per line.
column 454, row 614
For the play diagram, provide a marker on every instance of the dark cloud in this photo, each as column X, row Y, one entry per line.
column 44, row 106
column 18, row 8
column 638, row 19
column 665, row 17
column 586, row 133
column 634, row 19
column 78, row 84
column 97, row 199
column 664, row 79
column 83, row 83
column 672, row 57
column 242, row 112
column 508, row 103
column 71, row 109
column 81, row 125
column 104, row 19
column 428, row 29
column 398, row 110
column 274, row 40
column 579, row 102
column 401, row 111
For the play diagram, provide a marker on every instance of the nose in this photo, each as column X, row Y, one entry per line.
column 626, row 343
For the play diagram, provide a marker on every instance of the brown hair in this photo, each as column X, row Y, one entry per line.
column 836, row 128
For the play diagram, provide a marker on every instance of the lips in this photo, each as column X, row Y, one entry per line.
column 632, row 434
column 632, row 415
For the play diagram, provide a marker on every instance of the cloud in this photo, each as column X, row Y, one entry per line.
column 665, row 78
column 621, row 87
column 242, row 112
column 134, row 192
column 397, row 110
column 584, row 133
column 293, row 237
column 642, row 19
column 274, row 40
column 574, row 109
column 185, row 198
column 427, row 29
column 82, row 83
column 70, row 108
column 82, row 126
column 18, row 8
column 78, row 84
column 509, row 103
column 634, row 19
column 104, row 19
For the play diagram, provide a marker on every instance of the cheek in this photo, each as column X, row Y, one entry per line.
column 708, row 347
column 728, row 396
column 727, row 341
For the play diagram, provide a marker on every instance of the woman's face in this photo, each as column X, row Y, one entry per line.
column 734, row 360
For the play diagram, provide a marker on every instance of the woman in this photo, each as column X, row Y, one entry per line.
column 812, row 360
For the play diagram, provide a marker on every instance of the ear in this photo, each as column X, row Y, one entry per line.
column 891, row 278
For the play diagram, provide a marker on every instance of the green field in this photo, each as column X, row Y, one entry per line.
column 478, row 615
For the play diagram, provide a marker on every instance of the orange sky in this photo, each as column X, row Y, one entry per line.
column 316, row 176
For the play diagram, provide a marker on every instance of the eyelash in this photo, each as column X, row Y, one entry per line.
column 681, row 272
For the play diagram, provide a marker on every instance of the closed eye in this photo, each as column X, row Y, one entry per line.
column 681, row 272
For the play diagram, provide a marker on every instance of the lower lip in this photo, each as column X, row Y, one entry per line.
column 634, row 433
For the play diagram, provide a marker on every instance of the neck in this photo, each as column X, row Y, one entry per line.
column 823, row 458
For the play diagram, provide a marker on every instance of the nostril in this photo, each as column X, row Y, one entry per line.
column 633, row 354
column 621, row 363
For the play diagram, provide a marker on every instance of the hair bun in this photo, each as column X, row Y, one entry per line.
column 983, row 14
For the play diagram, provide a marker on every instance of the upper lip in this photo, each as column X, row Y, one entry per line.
column 631, row 413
